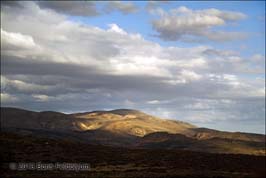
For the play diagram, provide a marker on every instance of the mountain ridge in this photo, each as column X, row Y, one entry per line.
column 130, row 128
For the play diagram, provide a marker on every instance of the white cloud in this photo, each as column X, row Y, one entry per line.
column 7, row 98
column 190, row 75
column 42, row 98
column 153, row 102
column 184, row 77
column 16, row 40
column 116, row 28
column 24, row 87
column 191, row 25
column 153, row 7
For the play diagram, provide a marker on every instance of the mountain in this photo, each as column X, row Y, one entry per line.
column 129, row 128
column 128, row 122
column 121, row 121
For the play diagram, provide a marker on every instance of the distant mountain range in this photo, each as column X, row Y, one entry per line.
column 129, row 128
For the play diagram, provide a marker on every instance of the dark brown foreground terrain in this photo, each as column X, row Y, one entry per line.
column 115, row 162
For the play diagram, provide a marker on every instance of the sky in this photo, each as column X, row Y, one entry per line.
column 200, row 62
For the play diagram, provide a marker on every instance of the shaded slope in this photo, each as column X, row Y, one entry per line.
column 129, row 128
column 215, row 144
column 121, row 162
column 205, row 133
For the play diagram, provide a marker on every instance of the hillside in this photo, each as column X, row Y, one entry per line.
column 131, row 122
column 162, row 140
column 129, row 128
column 121, row 121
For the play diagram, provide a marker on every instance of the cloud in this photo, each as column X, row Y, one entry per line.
column 153, row 7
column 7, row 98
column 82, row 8
column 42, row 98
column 124, row 7
column 77, row 8
column 196, row 25
column 16, row 40
column 68, row 66
column 10, row 4
column 153, row 102
column 116, row 28
column 222, row 53
column 132, row 61
column 24, row 87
